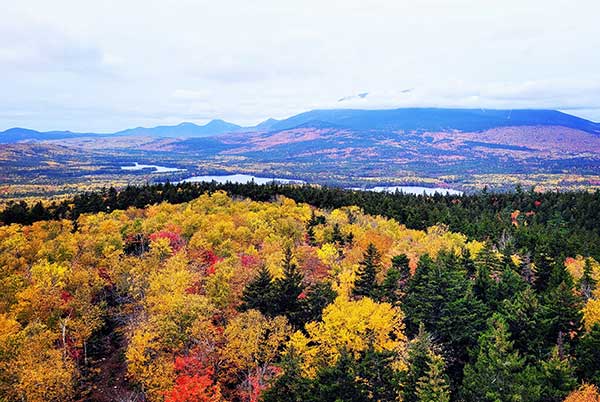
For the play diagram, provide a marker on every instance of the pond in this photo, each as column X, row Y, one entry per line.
column 156, row 168
column 240, row 179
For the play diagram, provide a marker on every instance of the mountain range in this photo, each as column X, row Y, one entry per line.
column 405, row 119
column 462, row 148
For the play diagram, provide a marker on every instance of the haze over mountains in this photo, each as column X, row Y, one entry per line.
column 405, row 119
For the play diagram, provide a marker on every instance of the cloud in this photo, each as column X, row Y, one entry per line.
column 115, row 64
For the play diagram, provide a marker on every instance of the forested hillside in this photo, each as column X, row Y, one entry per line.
column 214, row 298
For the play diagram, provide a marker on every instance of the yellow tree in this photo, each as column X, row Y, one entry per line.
column 253, row 344
column 591, row 313
column 350, row 326
column 586, row 393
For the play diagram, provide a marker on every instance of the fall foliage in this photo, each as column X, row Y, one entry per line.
column 223, row 299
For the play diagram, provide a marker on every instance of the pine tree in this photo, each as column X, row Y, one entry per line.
column 366, row 281
column 433, row 387
column 259, row 294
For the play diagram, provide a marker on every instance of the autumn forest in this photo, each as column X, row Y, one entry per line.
column 295, row 293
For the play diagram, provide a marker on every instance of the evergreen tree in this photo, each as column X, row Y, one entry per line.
column 543, row 271
column 483, row 286
column 288, row 289
column 259, row 294
column 310, row 236
column 290, row 386
column 510, row 283
column 488, row 259
column 467, row 262
column 498, row 373
column 526, row 269
column 557, row 378
column 587, row 283
column 336, row 236
column 418, row 359
column 338, row 383
column 366, row 277
column 318, row 296
column 588, row 356
column 380, row 380
column 439, row 296
column 525, row 323
column 396, row 279
column 433, row 387
column 561, row 313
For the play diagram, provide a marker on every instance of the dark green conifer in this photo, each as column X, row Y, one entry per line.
column 366, row 277
column 433, row 386
column 259, row 293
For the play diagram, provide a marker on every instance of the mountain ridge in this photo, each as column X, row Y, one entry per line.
column 400, row 119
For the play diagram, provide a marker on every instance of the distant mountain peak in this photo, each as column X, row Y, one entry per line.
column 403, row 119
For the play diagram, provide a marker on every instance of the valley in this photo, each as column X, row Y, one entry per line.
column 448, row 148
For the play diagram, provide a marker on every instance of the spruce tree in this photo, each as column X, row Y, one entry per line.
column 259, row 294
column 433, row 386
column 498, row 373
column 587, row 283
column 588, row 356
column 467, row 262
column 557, row 378
column 561, row 312
column 488, row 259
column 291, row 386
column 523, row 315
column 418, row 359
column 396, row 279
column 310, row 236
column 543, row 271
column 288, row 289
column 366, row 277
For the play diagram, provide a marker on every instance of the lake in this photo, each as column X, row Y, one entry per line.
column 241, row 179
column 411, row 190
column 157, row 168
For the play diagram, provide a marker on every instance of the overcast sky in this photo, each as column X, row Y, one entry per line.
column 108, row 65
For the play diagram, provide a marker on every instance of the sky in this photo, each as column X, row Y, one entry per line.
column 102, row 66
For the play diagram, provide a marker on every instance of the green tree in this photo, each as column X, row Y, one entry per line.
column 396, row 279
column 433, row 387
column 288, row 289
column 259, row 294
column 557, row 378
column 366, row 280
column 290, row 386
column 588, row 356
column 418, row 359
column 587, row 283
column 498, row 373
